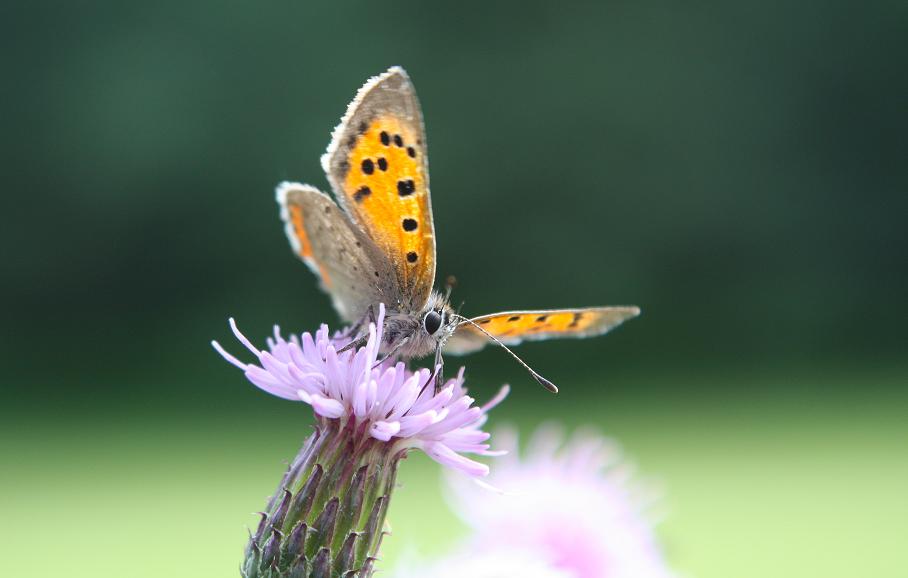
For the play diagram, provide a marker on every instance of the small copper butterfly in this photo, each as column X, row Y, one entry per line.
column 376, row 244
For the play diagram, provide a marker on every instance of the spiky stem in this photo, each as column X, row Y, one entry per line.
column 326, row 519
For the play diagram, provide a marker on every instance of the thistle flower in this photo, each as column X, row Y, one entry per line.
column 327, row 516
column 571, row 505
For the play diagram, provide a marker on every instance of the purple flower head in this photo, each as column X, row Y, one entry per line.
column 386, row 401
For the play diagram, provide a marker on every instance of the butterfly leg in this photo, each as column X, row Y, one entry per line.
column 439, row 370
column 361, row 328
column 356, row 343
column 437, row 376
column 393, row 351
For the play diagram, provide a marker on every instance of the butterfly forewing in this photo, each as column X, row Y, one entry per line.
column 378, row 168
column 351, row 268
column 513, row 327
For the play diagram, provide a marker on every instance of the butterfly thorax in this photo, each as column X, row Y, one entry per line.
column 416, row 333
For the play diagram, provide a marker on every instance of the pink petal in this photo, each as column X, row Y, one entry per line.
column 447, row 457
column 412, row 425
column 242, row 338
column 383, row 430
column 230, row 359
column 499, row 397
column 327, row 407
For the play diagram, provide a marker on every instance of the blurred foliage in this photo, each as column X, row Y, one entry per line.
column 735, row 169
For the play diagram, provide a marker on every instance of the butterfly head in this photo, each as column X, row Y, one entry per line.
column 438, row 319
column 419, row 332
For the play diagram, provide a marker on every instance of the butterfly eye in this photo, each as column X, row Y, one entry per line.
column 432, row 321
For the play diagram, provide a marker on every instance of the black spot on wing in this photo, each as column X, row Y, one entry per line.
column 406, row 187
column 384, row 138
column 410, row 224
column 412, row 257
column 359, row 195
column 514, row 318
column 383, row 163
column 368, row 166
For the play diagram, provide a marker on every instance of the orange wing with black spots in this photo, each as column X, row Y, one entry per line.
column 379, row 171
column 513, row 327
column 352, row 269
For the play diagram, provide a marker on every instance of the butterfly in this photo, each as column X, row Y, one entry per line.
column 376, row 244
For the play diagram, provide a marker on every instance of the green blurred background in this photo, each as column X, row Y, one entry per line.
column 736, row 169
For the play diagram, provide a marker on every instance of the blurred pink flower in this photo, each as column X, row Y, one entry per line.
column 569, row 503
column 385, row 401
column 506, row 562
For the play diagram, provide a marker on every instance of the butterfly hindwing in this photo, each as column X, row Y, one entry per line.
column 513, row 327
column 378, row 168
column 351, row 268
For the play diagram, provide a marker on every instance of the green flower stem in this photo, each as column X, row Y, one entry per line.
column 327, row 517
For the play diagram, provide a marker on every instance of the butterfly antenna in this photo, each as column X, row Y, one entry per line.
column 539, row 379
